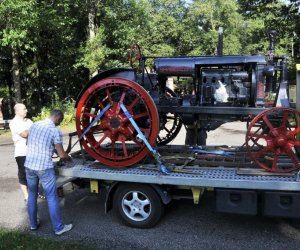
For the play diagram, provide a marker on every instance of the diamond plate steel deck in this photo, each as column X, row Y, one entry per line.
column 218, row 177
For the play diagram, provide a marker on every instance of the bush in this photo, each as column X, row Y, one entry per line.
column 66, row 106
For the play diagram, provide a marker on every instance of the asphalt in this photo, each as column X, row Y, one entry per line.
column 183, row 226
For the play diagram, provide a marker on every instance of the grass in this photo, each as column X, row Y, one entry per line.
column 11, row 239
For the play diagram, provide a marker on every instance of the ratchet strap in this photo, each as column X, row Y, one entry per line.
column 155, row 154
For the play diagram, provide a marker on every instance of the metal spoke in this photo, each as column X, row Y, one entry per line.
column 145, row 202
column 135, row 196
column 284, row 118
column 136, row 141
column 127, row 202
column 101, row 140
column 145, row 130
column 135, row 117
column 89, row 114
column 259, row 153
column 274, row 163
column 121, row 101
column 259, row 136
column 293, row 157
column 296, row 131
column 143, row 214
column 132, row 212
column 112, row 150
column 100, row 103
column 109, row 95
column 124, row 149
column 133, row 103
column 268, row 123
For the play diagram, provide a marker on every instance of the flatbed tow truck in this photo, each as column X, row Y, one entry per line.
column 139, row 193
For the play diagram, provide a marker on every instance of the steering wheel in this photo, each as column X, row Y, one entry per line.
column 135, row 57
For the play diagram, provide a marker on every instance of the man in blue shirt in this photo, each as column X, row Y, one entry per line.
column 43, row 138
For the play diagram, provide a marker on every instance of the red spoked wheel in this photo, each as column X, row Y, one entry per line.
column 113, row 140
column 271, row 140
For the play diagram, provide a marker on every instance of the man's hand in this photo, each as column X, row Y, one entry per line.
column 61, row 153
column 67, row 157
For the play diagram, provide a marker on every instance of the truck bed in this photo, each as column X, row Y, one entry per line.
column 218, row 171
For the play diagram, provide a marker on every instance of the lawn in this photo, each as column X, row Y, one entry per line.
column 11, row 239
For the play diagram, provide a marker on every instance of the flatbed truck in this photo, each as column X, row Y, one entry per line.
column 140, row 193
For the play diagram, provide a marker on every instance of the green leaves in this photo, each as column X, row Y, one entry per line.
column 57, row 53
column 94, row 52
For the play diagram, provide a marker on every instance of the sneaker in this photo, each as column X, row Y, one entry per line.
column 37, row 225
column 66, row 228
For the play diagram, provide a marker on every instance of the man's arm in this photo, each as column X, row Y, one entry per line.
column 24, row 134
column 61, row 152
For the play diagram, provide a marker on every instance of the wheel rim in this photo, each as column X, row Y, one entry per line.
column 170, row 124
column 136, row 206
column 271, row 140
column 114, row 128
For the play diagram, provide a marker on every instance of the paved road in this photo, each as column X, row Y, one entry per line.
column 184, row 226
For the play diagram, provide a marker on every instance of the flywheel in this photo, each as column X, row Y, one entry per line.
column 272, row 140
column 108, row 135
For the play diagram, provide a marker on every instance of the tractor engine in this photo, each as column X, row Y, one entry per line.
column 225, row 86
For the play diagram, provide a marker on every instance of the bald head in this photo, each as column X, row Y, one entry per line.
column 20, row 110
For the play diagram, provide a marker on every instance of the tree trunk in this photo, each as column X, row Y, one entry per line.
column 92, row 8
column 16, row 75
column 91, row 20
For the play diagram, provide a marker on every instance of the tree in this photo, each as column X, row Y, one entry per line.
column 17, row 19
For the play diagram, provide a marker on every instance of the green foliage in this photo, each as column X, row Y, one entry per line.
column 94, row 52
column 14, row 240
column 66, row 106
column 56, row 55
column 19, row 18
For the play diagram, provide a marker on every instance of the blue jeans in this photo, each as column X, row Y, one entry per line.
column 48, row 179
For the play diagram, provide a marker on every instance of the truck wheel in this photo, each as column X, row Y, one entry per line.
column 138, row 205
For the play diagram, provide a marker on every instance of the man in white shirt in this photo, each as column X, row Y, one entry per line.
column 19, row 127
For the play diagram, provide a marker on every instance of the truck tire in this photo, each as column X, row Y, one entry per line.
column 138, row 205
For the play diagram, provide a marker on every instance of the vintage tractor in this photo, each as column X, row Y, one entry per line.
column 123, row 113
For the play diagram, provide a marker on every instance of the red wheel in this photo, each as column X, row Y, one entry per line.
column 107, row 140
column 135, row 57
column 271, row 139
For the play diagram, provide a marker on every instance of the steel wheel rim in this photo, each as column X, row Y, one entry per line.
column 136, row 206
column 114, row 127
column 275, row 142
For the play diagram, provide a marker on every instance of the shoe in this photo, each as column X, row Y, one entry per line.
column 37, row 225
column 66, row 228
